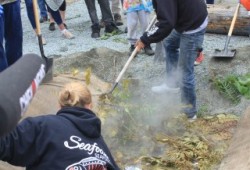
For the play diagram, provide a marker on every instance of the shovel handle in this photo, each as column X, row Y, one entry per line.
column 234, row 20
column 126, row 65
column 131, row 57
column 35, row 6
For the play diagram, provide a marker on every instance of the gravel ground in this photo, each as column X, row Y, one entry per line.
column 78, row 21
column 142, row 67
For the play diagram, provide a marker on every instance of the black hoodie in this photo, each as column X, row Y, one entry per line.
column 181, row 15
column 66, row 141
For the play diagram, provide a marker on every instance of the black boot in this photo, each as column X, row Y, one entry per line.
column 148, row 50
column 112, row 28
column 131, row 50
column 95, row 31
column 118, row 19
column 126, row 30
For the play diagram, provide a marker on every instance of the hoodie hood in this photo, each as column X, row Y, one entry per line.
column 84, row 120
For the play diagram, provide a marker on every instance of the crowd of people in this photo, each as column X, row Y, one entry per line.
column 72, row 138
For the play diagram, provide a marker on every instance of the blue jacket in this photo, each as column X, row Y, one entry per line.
column 71, row 139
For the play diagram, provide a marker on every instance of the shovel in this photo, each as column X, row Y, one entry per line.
column 128, row 61
column 49, row 61
column 226, row 53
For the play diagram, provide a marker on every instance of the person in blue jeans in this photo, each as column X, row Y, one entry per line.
column 11, row 33
column 182, row 25
column 210, row 1
column 43, row 11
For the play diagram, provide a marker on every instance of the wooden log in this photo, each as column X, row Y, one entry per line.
column 220, row 18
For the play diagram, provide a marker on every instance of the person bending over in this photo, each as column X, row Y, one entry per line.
column 71, row 139
column 182, row 24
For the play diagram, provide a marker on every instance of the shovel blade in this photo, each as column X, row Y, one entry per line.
column 49, row 74
column 224, row 53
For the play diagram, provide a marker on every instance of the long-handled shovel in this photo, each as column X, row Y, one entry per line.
column 129, row 60
column 226, row 53
column 49, row 61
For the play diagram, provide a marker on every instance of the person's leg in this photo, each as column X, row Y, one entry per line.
column 13, row 32
column 116, row 10
column 92, row 11
column 132, row 23
column 62, row 10
column 115, row 6
column 30, row 13
column 171, row 45
column 189, row 45
column 43, row 11
column 94, row 18
column 52, row 26
column 107, row 17
column 57, row 17
column 210, row 1
column 3, row 60
column 144, row 22
column 106, row 11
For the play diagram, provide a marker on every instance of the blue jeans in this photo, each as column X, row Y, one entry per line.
column 42, row 7
column 210, row 1
column 181, row 52
column 30, row 12
column 12, row 32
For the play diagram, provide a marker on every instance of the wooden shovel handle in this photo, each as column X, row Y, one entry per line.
column 35, row 9
column 234, row 20
column 134, row 52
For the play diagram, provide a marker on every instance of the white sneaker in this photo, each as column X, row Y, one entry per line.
column 192, row 119
column 67, row 34
column 164, row 88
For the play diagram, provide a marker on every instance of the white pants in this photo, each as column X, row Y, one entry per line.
column 133, row 18
column 115, row 7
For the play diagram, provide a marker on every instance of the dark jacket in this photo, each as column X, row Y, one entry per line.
column 181, row 15
column 69, row 140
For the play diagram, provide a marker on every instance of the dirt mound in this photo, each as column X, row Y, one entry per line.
column 104, row 63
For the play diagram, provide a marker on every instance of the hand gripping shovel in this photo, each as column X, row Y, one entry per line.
column 128, row 61
column 226, row 53
column 49, row 61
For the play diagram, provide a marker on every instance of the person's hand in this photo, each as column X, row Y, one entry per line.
column 1, row 10
column 139, row 45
